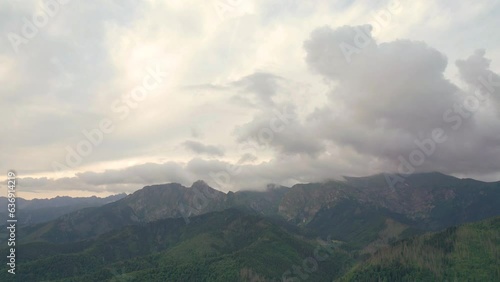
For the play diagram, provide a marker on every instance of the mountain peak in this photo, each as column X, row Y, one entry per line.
column 199, row 183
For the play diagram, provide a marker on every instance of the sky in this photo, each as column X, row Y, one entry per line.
column 104, row 97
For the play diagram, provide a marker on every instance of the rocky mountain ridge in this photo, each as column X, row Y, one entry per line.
column 422, row 204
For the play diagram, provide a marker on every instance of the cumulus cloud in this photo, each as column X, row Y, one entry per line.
column 386, row 102
column 281, row 130
column 395, row 94
column 475, row 71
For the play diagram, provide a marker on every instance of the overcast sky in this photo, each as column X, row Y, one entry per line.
column 101, row 97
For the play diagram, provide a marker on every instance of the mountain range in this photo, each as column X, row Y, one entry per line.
column 348, row 230
column 43, row 210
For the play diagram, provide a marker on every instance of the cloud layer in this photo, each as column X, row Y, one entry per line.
column 260, row 92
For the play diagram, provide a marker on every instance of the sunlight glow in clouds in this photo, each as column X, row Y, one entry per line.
column 231, row 66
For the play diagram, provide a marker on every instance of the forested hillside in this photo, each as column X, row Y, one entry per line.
column 470, row 252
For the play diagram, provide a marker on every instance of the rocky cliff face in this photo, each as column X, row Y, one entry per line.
column 174, row 200
column 303, row 201
column 432, row 200
column 148, row 204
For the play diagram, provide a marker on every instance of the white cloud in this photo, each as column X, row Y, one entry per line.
column 258, row 58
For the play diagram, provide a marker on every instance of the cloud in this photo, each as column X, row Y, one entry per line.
column 281, row 130
column 247, row 157
column 139, row 174
column 384, row 104
column 289, row 91
column 263, row 85
column 34, row 182
column 201, row 148
column 476, row 73
column 395, row 94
